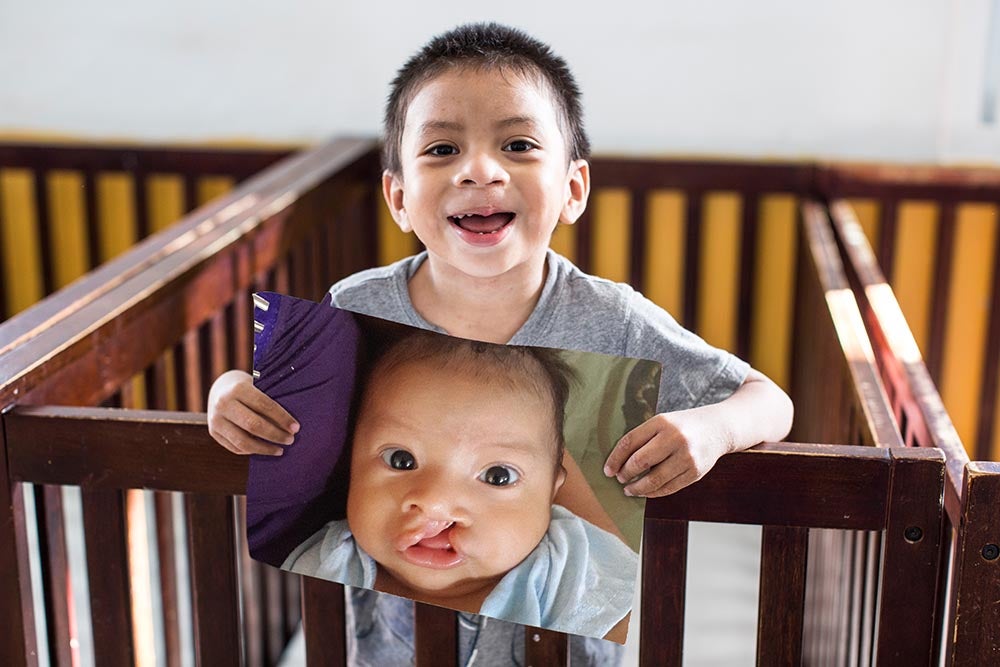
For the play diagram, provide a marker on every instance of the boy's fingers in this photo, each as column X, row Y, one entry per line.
column 240, row 442
column 661, row 480
column 629, row 443
column 257, row 424
column 262, row 404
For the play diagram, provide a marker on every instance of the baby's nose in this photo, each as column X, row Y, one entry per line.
column 435, row 501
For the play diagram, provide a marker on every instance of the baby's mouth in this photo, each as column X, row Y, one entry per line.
column 482, row 224
column 430, row 546
column 432, row 535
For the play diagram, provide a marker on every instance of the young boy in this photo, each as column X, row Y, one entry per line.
column 451, row 494
column 484, row 155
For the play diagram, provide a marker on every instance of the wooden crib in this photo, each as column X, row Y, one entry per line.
column 103, row 383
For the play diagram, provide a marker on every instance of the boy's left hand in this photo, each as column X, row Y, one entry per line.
column 667, row 452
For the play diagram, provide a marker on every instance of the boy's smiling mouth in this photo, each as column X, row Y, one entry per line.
column 482, row 226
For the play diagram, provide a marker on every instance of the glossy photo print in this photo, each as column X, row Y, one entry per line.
column 463, row 474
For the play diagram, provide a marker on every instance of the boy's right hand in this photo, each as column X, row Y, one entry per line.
column 243, row 419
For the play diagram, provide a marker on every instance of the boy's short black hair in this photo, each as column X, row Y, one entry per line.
column 538, row 369
column 488, row 46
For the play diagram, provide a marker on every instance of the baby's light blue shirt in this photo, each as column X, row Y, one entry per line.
column 580, row 579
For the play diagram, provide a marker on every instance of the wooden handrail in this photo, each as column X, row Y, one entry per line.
column 93, row 307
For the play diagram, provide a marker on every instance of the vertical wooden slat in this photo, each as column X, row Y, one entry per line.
column 273, row 611
column 55, row 572
column 93, row 219
column 664, row 570
column 5, row 311
column 942, row 287
column 43, row 225
column 692, row 257
column 747, row 273
column 214, row 594
column 991, row 369
column 545, row 647
column 190, row 192
column 887, row 217
column 293, row 604
column 781, row 607
column 253, row 642
column 638, row 220
column 107, row 572
column 166, row 540
column 17, row 616
column 140, row 188
column 324, row 623
column 436, row 640
column 584, row 241
column 911, row 558
column 975, row 614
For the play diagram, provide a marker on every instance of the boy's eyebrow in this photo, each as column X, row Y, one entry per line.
column 517, row 120
column 432, row 125
column 440, row 125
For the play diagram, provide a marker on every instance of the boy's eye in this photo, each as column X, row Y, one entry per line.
column 442, row 150
column 519, row 146
column 499, row 476
column 399, row 459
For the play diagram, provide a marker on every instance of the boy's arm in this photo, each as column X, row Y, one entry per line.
column 674, row 449
column 243, row 419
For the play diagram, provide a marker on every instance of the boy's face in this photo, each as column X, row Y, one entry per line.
column 452, row 477
column 485, row 172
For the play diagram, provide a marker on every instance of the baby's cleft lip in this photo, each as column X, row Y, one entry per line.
column 432, row 533
column 430, row 546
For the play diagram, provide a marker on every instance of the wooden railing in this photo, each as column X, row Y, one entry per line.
column 68, row 208
column 972, row 489
column 153, row 327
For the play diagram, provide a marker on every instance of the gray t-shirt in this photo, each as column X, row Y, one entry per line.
column 575, row 311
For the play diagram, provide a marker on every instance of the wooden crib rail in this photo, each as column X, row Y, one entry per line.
column 972, row 490
column 782, row 486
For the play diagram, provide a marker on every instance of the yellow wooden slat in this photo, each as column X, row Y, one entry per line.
column 116, row 213
column 967, row 317
column 718, row 275
column 393, row 244
column 867, row 211
column 165, row 200
column 664, row 251
column 774, row 291
column 210, row 187
column 22, row 259
column 68, row 226
column 564, row 241
column 611, row 234
column 913, row 265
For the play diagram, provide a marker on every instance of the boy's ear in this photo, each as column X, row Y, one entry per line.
column 577, row 191
column 392, row 192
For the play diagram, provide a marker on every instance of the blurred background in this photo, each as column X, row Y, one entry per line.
column 852, row 80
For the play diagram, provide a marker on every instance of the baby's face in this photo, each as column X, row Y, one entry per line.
column 452, row 477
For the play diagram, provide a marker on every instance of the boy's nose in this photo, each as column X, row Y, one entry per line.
column 479, row 169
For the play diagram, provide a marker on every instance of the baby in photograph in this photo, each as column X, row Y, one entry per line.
column 457, row 455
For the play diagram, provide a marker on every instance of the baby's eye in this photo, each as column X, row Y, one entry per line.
column 520, row 146
column 399, row 459
column 442, row 150
column 499, row 476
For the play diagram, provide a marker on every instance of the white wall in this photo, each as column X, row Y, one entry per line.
column 856, row 79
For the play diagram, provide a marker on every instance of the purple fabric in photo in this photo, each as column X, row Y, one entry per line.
column 305, row 358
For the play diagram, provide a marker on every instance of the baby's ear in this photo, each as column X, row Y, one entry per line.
column 392, row 192
column 560, row 479
column 577, row 191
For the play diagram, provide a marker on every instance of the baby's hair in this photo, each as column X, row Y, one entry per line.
column 540, row 370
column 485, row 46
